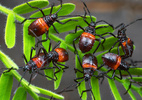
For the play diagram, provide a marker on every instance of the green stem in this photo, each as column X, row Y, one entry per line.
column 50, row 93
column 5, row 10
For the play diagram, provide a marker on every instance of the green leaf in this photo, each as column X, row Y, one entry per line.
column 70, row 25
column 133, row 71
column 6, row 82
column 95, row 88
column 114, row 89
column 20, row 94
column 67, row 8
column 10, row 31
column 106, row 28
column 78, row 74
column 70, row 37
column 28, row 41
column 25, row 8
column 137, row 79
column 59, row 75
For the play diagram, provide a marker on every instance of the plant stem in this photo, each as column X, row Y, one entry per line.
column 5, row 10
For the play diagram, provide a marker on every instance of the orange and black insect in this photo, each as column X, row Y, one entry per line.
column 89, row 65
column 57, row 55
column 115, row 62
column 54, row 56
column 42, row 60
column 42, row 24
column 34, row 66
column 125, row 42
column 87, row 38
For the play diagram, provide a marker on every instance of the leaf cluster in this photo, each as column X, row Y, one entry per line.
column 6, row 80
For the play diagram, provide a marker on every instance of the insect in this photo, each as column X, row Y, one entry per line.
column 115, row 62
column 42, row 24
column 89, row 66
column 87, row 38
column 57, row 55
column 125, row 42
column 42, row 59
column 34, row 66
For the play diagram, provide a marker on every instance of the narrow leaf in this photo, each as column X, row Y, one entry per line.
column 114, row 89
column 70, row 37
column 69, row 25
column 133, row 71
column 10, row 31
column 59, row 76
column 95, row 88
column 137, row 79
column 6, row 82
column 28, row 41
column 104, row 29
column 67, row 8
column 20, row 94
column 25, row 8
